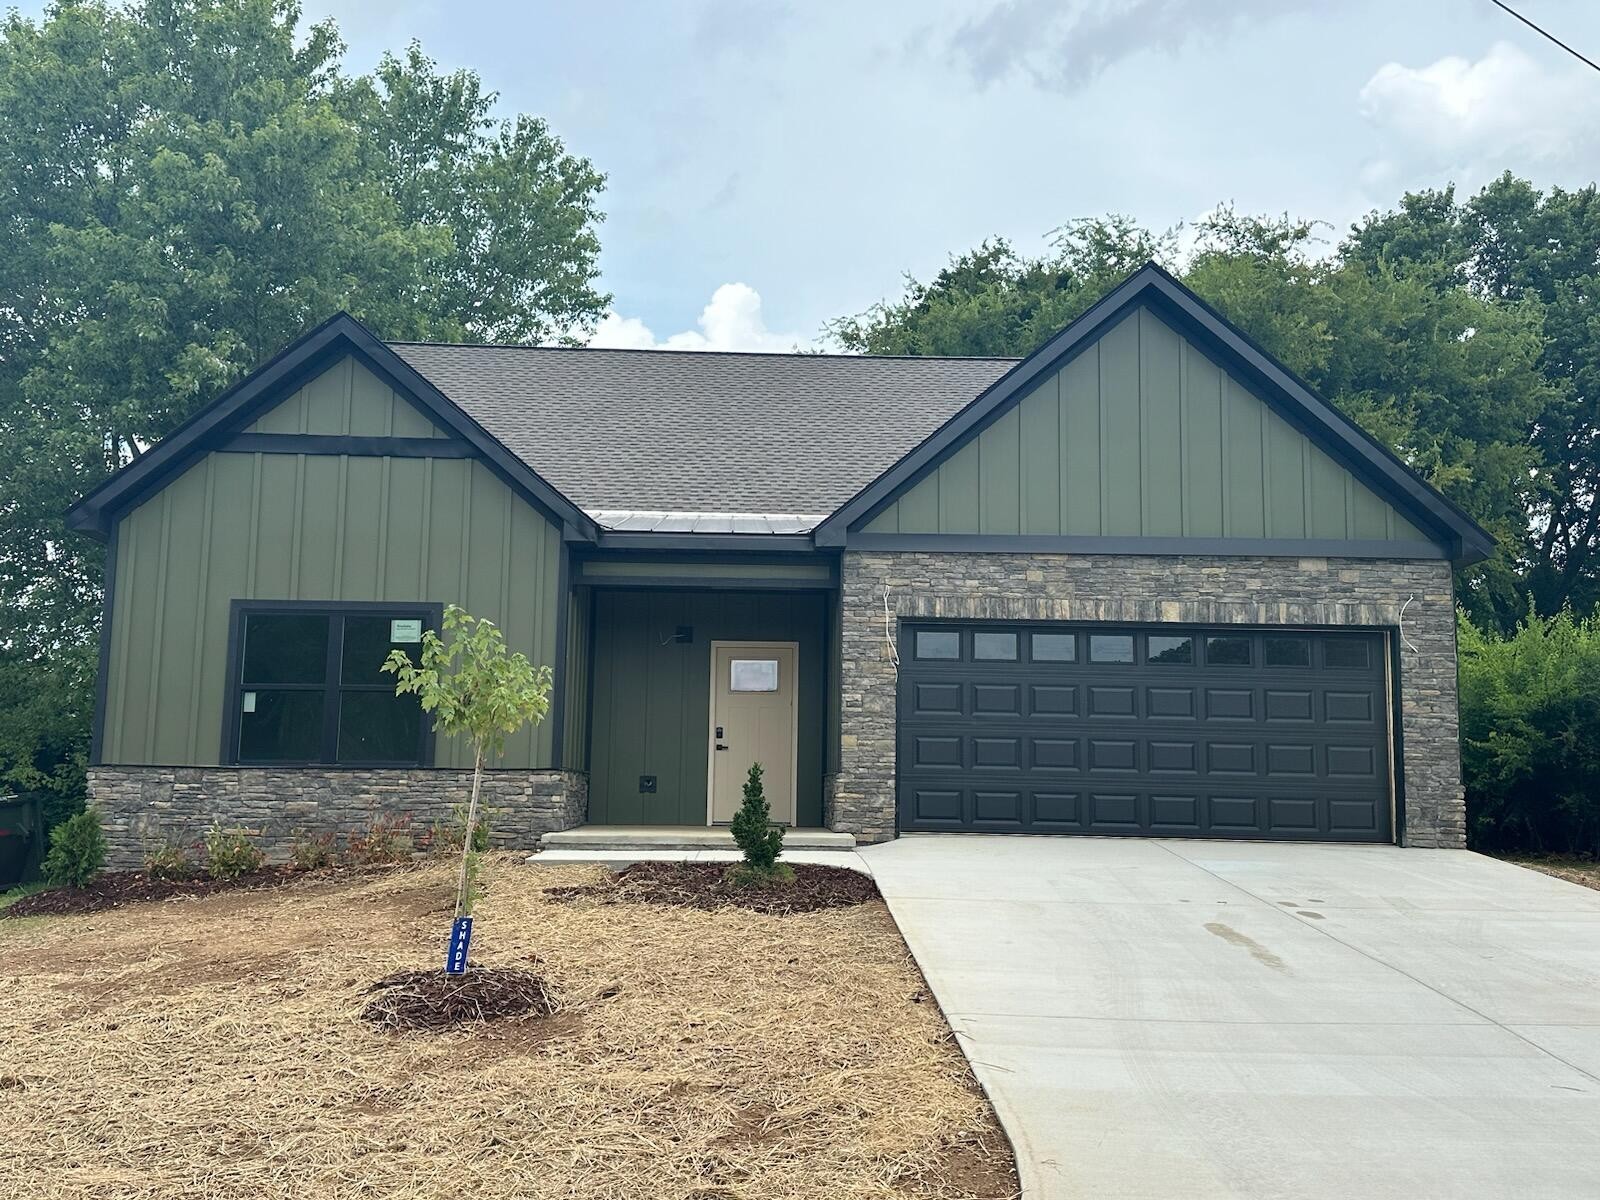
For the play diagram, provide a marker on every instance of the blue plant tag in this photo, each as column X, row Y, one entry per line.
column 455, row 959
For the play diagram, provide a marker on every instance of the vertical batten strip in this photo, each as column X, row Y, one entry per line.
column 204, row 605
column 157, row 628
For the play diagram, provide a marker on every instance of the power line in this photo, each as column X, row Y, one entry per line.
column 1546, row 34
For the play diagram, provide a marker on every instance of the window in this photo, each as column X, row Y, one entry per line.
column 1350, row 653
column 1111, row 647
column 1055, row 647
column 1287, row 652
column 1227, row 651
column 753, row 675
column 310, row 689
column 995, row 647
column 944, row 644
column 1162, row 648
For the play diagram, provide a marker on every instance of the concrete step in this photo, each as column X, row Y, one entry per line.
column 617, row 859
column 634, row 838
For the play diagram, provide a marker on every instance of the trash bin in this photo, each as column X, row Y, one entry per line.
column 21, row 840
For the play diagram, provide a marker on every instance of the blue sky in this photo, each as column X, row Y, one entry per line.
column 773, row 165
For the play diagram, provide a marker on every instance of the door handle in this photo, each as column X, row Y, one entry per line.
column 720, row 746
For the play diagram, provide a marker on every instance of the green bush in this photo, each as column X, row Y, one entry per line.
column 230, row 853
column 1530, row 735
column 311, row 851
column 170, row 861
column 446, row 837
column 753, row 830
column 77, row 850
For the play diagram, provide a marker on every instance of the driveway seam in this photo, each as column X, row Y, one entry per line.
column 1370, row 957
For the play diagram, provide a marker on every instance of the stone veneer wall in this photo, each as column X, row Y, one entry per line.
column 143, row 807
column 1197, row 589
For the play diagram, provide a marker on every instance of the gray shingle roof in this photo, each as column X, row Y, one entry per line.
column 687, row 432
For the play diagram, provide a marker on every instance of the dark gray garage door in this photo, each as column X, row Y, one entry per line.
column 1158, row 731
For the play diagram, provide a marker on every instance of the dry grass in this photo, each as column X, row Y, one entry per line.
column 1574, row 870
column 210, row 1047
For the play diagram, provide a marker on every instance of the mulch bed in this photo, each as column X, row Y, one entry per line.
column 113, row 889
column 707, row 886
column 432, row 1001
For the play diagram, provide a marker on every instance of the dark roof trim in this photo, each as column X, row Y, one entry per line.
column 341, row 334
column 1363, row 454
column 1010, row 543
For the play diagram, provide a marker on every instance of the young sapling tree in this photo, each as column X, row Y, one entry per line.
column 758, row 837
column 477, row 689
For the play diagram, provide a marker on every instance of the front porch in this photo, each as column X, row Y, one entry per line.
column 666, row 726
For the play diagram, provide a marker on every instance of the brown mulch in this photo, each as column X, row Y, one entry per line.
column 432, row 1000
column 709, row 886
column 113, row 889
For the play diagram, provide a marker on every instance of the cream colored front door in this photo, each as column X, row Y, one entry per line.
column 753, row 720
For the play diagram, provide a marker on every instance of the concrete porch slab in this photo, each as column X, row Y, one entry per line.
column 617, row 859
column 636, row 838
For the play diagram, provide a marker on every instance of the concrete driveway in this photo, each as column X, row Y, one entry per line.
column 1181, row 1019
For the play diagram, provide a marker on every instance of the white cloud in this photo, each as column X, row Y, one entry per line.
column 731, row 321
column 1475, row 119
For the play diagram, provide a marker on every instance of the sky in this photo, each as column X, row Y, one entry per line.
column 774, row 165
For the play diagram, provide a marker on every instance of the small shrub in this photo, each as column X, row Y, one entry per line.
column 311, row 851
column 447, row 837
column 171, row 861
column 77, row 850
column 230, row 853
column 387, row 840
column 753, row 830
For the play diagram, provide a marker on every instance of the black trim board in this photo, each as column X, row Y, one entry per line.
column 1001, row 543
column 1352, row 446
column 341, row 334
column 237, row 609
column 356, row 447
column 108, row 591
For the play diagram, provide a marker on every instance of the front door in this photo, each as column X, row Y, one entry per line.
column 753, row 720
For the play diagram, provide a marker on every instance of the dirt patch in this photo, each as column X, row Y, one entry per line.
column 113, row 889
column 708, row 886
column 432, row 1001
column 214, row 1048
column 1585, row 872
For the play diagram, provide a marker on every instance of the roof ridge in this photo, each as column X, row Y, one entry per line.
column 717, row 353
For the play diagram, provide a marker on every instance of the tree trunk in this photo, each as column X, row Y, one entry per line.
column 472, row 828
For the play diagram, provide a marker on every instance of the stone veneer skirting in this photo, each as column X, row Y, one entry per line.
column 1193, row 589
column 144, row 807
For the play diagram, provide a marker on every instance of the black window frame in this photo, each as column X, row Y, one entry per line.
column 332, row 682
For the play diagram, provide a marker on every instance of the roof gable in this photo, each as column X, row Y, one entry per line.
column 1122, row 426
column 255, row 407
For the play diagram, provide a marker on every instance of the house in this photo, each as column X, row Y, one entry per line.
column 1141, row 582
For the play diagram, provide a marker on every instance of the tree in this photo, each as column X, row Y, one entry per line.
column 186, row 186
column 1519, row 248
column 475, row 688
column 756, row 835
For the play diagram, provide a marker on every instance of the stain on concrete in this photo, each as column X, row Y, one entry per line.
column 1257, row 951
column 1315, row 916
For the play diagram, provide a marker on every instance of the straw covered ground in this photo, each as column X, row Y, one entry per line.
column 210, row 1047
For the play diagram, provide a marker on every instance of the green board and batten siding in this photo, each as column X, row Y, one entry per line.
column 1143, row 435
column 313, row 527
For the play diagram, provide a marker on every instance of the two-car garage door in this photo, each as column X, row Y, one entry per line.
column 1157, row 731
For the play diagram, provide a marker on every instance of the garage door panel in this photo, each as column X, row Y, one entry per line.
column 1238, row 741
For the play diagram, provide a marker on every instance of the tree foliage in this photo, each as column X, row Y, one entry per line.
column 477, row 689
column 753, row 831
column 186, row 186
column 1530, row 709
column 1466, row 382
